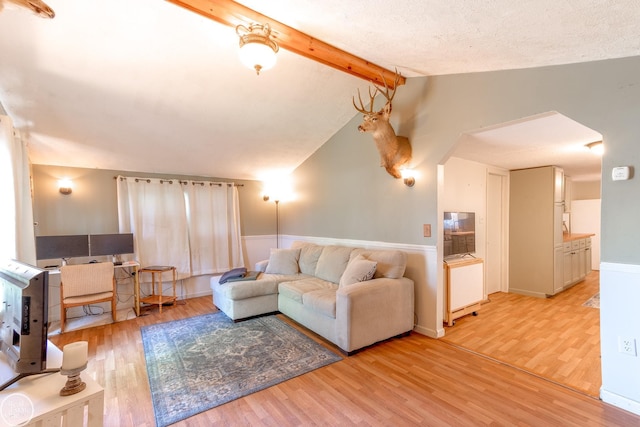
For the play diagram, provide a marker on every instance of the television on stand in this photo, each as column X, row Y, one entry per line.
column 24, row 318
column 459, row 234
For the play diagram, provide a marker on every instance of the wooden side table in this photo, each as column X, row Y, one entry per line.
column 156, row 298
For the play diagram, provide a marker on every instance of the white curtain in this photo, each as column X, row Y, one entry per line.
column 214, row 227
column 16, row 215
column 154, row 211
column 194, row 226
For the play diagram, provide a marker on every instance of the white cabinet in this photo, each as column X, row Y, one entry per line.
column 464, row 284
column 576, row 260
column 567, row 263
column 587, row 256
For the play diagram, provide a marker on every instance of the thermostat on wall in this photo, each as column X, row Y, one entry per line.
column 620, row 173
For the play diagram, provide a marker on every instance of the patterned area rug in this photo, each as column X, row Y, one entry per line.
column 593, row 302
column 198, row 363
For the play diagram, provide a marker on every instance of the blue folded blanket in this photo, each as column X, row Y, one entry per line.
column 250, row 275
column 235, row 273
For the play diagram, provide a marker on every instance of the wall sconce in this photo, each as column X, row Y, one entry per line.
column 257, row 49
column 65, row 186
column 408, row 177
column 596, row 147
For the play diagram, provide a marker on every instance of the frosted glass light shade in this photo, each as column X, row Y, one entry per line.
column 257, row 49
column 257, row 56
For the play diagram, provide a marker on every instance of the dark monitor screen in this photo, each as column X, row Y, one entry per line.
column 111, row 244
column 49, row 247
column 459, row 233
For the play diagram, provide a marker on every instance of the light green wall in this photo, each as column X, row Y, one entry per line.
column 343, row 193
column 92, row 207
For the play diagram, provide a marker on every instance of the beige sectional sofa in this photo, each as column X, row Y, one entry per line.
column 353, row 297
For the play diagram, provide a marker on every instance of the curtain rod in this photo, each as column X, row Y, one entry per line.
column 170, row 181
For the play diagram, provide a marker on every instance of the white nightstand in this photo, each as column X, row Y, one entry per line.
column 35, row 400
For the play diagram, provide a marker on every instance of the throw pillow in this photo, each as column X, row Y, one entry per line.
column 309, row 254
column 359, row 269
column 332, row 263
column 283, row 261
column 391, row 262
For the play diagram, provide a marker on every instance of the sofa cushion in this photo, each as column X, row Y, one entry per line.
column 254, row 288
column 295, row 289
column 359, row 269
column 309, row 254
column 391, row 263
column 332, row 263
column 283, row 261
column 322, row 301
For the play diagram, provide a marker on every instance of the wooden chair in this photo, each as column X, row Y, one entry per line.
column 84, row 284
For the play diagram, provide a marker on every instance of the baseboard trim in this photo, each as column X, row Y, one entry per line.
column 620, row 401
column 429, row 332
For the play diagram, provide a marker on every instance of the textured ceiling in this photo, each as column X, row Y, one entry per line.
column 148, row 86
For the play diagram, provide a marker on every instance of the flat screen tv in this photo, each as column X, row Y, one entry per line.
column 24, row 317
column 459, row 233
column 110, row 244
column 52, row 247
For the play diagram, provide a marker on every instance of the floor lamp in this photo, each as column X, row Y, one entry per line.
column 277, row 202
column 277, row 224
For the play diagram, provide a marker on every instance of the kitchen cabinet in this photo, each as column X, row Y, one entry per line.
column 536, row 251
column 587, row 256
column 576, row 258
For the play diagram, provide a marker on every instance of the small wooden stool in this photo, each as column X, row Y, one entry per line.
column 158, row 299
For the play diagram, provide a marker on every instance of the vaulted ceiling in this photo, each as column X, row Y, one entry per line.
column 149, row 86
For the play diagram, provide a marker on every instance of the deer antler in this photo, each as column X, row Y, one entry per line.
column 386, row 88
column 37, row 6
column 361, row 109
column 377, row 90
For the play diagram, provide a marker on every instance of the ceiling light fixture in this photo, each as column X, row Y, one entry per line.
column 596, row 147
column 257, row 49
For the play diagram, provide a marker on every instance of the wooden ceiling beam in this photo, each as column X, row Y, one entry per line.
column 230, row 13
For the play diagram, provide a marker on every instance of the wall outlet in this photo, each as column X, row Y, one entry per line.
column 627, row 345
column 426, row 230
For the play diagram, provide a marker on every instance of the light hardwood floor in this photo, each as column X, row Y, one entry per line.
column 557, row 338
column 413, row 380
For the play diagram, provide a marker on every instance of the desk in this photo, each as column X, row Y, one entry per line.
column 35, row 400
column 76, row 312
column 155, row 299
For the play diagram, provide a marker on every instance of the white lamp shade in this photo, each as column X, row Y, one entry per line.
column 257, row 54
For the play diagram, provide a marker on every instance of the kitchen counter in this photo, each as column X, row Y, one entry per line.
column 566, row 237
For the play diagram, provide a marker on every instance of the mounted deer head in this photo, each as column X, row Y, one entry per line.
column 395, row 151
column 37, row 6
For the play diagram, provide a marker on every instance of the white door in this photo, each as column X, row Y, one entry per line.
column 496, row 229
